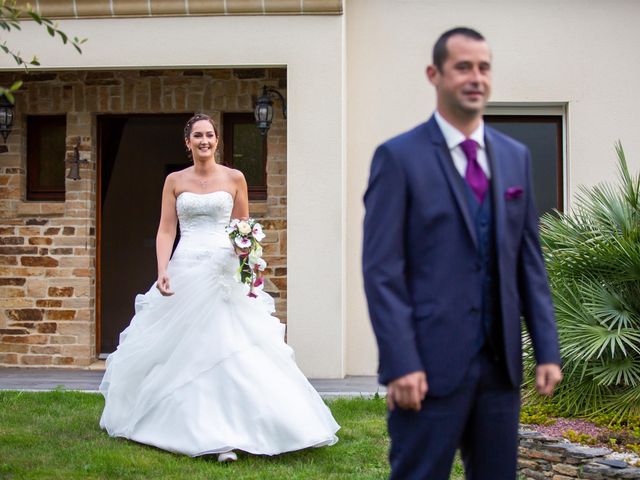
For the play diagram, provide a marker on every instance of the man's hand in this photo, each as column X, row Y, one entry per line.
column 407, row 392
column 548, row 375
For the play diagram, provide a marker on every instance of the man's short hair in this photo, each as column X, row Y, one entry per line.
column 440, row 52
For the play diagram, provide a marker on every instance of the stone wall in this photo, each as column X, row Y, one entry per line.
column 547, row 458
column 48, row 249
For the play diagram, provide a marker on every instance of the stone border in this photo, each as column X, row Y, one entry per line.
column 541, row 457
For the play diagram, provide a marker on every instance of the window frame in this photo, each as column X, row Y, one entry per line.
column 521, row 115
column 230, row 119
column 36, row 191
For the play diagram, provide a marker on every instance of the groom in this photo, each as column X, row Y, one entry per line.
column 451, row 260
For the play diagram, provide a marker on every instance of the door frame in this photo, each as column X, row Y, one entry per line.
column 99, row 164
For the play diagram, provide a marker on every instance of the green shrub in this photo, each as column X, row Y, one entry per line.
column 538, row 414
column 582, row 438
column 592, row 255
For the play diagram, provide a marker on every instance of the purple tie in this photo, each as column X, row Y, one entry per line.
column 474, row 175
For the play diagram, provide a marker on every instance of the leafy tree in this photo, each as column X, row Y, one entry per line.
column 593, row 259
column 10, row 18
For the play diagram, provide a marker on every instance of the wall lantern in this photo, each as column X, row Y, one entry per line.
column 264, row 109
column 74, row 163
column 6, row 117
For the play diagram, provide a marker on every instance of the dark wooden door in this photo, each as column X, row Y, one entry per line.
column 135, row 154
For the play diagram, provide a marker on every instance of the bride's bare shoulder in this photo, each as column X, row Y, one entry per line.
column 175, row 179
column 183, row 174
column 233, row 174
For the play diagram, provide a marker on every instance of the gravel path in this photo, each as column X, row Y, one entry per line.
column 565, row 424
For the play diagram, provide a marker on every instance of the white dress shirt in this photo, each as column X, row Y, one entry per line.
column 455, row 137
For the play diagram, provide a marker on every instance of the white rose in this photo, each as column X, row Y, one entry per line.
column 244, row 228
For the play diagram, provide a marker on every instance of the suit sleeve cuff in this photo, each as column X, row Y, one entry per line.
column 548, row 357
column 398, row 361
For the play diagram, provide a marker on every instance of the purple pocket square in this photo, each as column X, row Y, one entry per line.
column 513, row 192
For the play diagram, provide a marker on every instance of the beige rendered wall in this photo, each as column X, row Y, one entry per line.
column 582, row 54
column 573, row 53
column 311, row 48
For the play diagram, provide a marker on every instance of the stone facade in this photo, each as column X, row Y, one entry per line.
column 48, row 249
column 547, row 458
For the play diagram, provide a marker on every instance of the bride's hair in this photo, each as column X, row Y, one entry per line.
column 196, row 118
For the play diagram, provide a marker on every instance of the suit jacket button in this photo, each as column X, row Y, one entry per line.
column 474, row 310
column 477, row 266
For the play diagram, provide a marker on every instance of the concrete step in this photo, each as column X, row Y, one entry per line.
column 88, row 380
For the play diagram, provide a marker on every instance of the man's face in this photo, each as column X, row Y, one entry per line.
column 464, row 83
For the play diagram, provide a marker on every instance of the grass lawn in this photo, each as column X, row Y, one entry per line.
column 55, row 435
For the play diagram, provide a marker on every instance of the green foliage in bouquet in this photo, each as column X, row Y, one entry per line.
column 245, row 236
column 592, row 255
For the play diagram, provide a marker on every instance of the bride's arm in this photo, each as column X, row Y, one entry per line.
column 166, row 233
column 241, row 199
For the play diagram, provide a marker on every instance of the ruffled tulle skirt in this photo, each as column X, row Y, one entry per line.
column 207, row 370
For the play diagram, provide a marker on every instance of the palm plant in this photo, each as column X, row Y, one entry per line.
column 593, row 260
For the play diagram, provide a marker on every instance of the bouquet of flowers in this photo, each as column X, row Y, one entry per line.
column 246, row 236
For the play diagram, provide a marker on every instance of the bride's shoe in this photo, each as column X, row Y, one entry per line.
column 229, row 456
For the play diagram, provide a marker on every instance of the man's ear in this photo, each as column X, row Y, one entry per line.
column 432, row 74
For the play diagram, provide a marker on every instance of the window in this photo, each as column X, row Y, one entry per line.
column 543, row 135
column 46, row 152
column 246, row 150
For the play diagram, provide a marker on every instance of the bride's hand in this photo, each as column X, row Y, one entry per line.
column 241, row 252
column 163, row 285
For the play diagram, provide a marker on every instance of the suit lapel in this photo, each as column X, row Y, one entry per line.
column 451, row 174
column 497, row 158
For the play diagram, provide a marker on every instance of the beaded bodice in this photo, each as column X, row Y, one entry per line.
column 203, row 218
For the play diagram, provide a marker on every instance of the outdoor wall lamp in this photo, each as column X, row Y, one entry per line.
column 6, row 117
column 74, row 163
column 264, row 109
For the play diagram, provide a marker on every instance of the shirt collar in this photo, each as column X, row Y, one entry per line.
column 454, row 137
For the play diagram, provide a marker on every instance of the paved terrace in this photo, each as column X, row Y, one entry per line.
column 44, row 379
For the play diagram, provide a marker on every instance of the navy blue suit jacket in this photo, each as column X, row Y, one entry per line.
column 421, row 275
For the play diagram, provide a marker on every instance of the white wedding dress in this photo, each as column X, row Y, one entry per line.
column 207, row 370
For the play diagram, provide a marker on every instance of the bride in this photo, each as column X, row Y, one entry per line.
column 203, row 368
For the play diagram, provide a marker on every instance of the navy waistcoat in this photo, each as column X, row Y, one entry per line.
column 482, row 215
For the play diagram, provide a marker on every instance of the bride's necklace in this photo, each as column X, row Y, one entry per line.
column 204, row 181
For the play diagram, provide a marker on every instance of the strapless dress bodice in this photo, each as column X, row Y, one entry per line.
column 202, row 219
